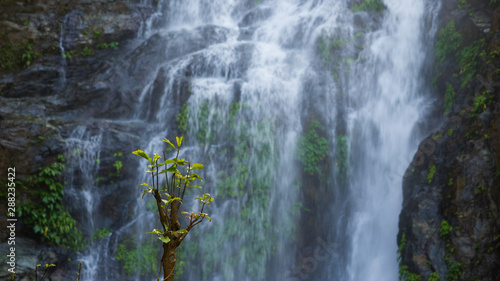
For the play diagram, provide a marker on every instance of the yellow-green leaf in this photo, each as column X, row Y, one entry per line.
column 143, row 155
column 167, row 141
column 196, row 166
column 164, row 239
column 179, row 141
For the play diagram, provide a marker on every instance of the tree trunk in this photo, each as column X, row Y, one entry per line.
column 168, row 261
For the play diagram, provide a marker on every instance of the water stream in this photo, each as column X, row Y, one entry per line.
column 246, row 83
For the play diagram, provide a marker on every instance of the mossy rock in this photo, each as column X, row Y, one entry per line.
column 17, row 46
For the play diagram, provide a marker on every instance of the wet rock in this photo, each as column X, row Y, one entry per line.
column 451, row 191
column 28, row 254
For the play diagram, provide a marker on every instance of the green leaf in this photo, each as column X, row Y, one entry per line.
column 180, row 231
column 167, row 141
column 164, row 239
column 196, row 166
column 173, row 169
column 197, row 186
column 156, row 157
column 206, row 216
column 171, row 200
column 179, row 141
column 143, row 155
column 157, row 231
column 196, row 176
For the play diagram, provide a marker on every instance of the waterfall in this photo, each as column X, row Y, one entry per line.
column 304, row 113
column 391, row 100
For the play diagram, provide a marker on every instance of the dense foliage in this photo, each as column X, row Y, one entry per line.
column 44, row 210
column 312, row 149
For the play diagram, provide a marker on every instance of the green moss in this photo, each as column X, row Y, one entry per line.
column 118, row 164
column 434, row 277
column 437, row 137
column 312, row 149
column 432, row 172
column 44, row 210
column 479, row 104
column 369, row 6
column 103, row 46
column 445, row 229
column 468, row 61
column 234, row 108
column 182, row 119
column 7, row 57
column 16, row 55
column 402, row 244
column 101, row 233
column 454, row 272
column 203, row 125
column 449, row 98
column 97, row 35
column 86, row 52
column 448, row 43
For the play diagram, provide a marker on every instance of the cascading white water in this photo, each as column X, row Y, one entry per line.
column 389, row 94
column 83, row 150
column 243, row 81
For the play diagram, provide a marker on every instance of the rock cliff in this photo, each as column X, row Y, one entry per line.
column 57, row 60
column 449, row 224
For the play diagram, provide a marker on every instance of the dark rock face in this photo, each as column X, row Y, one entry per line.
column 90, row 68
column 451, row 191
column 57, row 67
column 43, row 95
column 28, row 255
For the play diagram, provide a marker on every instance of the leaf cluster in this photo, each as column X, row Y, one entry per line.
column 170, row 193
column 311, row 148
column 445, row 229
column 468, row 60
column 449, row 41
column 47, row 215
